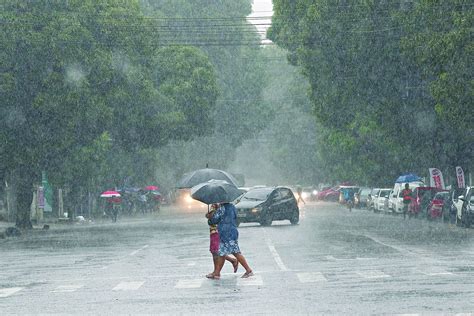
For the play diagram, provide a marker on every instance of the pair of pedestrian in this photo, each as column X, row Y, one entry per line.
column 222, row 220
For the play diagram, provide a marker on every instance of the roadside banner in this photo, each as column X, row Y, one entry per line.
column 436, row 178
column 48, row 193
column 460, row 177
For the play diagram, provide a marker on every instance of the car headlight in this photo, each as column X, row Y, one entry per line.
column 256, row 209
column 188, row 199
column 315, row 192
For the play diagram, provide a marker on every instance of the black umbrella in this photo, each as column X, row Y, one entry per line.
column 203, row 175
column 215, row 191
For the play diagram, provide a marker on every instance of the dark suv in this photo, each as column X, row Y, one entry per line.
column 264, row 205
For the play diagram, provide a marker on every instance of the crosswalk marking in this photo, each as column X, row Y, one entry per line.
column 189, row 284
column 332, row 258
column 128, row 286
column 435, row 272
column 311, row 277
column 255, row 280
column 67, row 288
column 138, row 250
column 9, row 291
column 373, row 274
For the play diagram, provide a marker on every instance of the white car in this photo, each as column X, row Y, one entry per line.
column 381, row 201
column 464, row 205
column 395, row 203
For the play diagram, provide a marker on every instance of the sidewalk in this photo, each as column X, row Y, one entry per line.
column 64, row 223
column 50, row 223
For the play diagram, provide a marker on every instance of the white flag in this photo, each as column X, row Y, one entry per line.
column 460, row 177
column 436, row 178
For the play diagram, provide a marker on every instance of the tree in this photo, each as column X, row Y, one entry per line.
column 368, row 91
column 78, row 81
column 221, row 31
column 438, row 39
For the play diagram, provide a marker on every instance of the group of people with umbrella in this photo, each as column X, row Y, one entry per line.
column 131, row 200
column 218, row 190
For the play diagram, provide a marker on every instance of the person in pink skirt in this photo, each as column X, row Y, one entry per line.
column 214, row 246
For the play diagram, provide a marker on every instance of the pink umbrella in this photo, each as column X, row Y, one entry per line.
column 108, row 194
column 151, row 188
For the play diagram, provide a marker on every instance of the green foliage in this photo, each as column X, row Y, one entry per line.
column 220, row 30
column 381, row 99
column 80, row 78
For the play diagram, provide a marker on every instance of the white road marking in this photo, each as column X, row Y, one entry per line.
column 311, row 277
column 348, row 259
column 9, row 291
column 138, row 250
column 189, row 284
column 373, row 274
column 67, row 288
column 274, row 253
column 399, row 249
column 435, row 272
column 128, row 286
column 255, row 280
column 277, row 258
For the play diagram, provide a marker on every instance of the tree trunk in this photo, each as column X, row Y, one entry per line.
column 24, row 198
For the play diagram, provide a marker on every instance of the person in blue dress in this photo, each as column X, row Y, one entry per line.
column 226, row 219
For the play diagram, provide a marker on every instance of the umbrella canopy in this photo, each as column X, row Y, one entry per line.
column 215, row 191
column 151, row 188
column 108, row 194
column 408, row 177
column 191, row 179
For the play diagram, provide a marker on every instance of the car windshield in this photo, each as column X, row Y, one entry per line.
column 257, row 194
column 384, row 193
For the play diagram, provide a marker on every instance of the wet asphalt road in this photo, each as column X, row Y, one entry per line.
column 333, row 262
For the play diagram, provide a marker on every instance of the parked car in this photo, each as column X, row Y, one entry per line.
column 439, row 206
column 381, row 201
column 361, row 197
column 331, row 194
column 374, row 193
column 464, row 205
column 421, row 198
column 264, row 205
column 395, row 202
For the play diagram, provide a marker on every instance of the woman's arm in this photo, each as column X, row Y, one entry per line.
column 217, row 216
